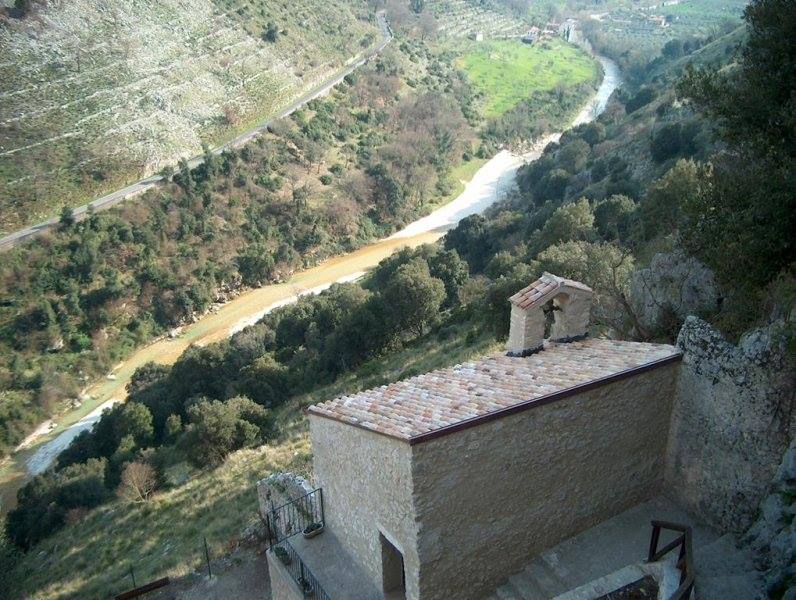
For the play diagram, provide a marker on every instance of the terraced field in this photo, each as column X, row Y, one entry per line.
column 461, row 18
column 94, row 94
column 637, row 27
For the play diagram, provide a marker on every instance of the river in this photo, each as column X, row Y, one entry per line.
column 488, row 184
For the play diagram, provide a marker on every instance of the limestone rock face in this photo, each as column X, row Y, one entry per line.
column 732, row 421
column 280, row 488
column 772, row 538
column 673, row 285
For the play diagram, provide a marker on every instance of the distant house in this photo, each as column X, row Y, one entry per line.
column 478, row 36
column 448, row 484
column 659, row 20
column 531, row 36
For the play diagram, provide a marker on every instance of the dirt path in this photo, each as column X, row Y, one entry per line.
column 245, row 579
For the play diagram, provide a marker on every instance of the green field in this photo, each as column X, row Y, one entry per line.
column 508, row 71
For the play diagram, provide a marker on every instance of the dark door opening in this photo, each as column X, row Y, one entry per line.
column 392, row 570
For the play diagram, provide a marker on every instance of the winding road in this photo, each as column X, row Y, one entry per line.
column 141, row 186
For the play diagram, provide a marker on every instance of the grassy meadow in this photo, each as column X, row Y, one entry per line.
column 508, row 72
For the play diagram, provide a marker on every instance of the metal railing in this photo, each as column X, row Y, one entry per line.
column 306, row 581
column 291, row 518
column 685, row 560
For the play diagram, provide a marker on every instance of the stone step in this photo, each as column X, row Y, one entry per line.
column 546, row 577
column 507, row 593
column 600, row 551
column 743, row 586
column 604, row 585
column 524, row 586
column 721, row 557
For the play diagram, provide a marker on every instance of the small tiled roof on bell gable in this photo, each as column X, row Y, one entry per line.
column 545, row 288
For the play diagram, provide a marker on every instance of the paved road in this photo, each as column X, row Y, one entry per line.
column 147, row 183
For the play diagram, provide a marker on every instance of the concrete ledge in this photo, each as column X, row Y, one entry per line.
column 283, row 587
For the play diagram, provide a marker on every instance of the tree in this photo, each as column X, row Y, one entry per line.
column 666, row 142
column 23, row 6
column 672, row 49
column 145, row 376
column 573, row 221
column 448, row 267
column 138, row 483
column 218, row 428
column 661, row 209
column 271, row 33
column 613, row 217
column 135, row 420
column 185, row 177
column 643, row 97
column 266, row 381
column 255, row 264
column 417, row 6
column 412, row 298
column 573, row 155
column 754, row 103
column 42, row 504
column 742, row 220
column 471, row 240
column 67, row 218
column 552, row 186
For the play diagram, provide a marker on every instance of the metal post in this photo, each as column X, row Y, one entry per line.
column 323, row 517
column 132, row 576
column 207, row 558
column 656, row 532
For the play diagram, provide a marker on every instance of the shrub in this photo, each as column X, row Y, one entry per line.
column 217, row 428
column 643, row 97
column 666, row 142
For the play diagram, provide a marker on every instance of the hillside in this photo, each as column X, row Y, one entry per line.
column 633, row 33
column 347, row 169
column 599, row 205
column 94, row 94
column 165, row 536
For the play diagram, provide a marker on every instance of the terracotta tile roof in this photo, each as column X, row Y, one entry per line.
column 440, row 399
column 543, row 289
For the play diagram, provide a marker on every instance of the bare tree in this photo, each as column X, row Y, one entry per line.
column 138, row 482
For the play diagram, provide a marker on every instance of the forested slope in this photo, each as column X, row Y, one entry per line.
column 347, row 169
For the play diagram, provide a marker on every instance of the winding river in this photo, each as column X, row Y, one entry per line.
column 489, row 183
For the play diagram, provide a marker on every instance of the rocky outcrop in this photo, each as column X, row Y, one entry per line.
column 671, row 288
column 732, row 420
column 280, row 488
column 772, row 538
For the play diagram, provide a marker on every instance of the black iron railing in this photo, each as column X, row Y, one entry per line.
column 291, row 518
column 685, row 560
column 303, row 577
